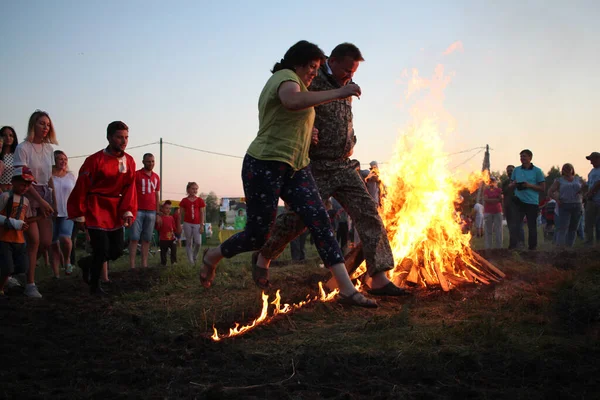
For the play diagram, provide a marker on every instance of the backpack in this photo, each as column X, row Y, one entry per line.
column 8, row 208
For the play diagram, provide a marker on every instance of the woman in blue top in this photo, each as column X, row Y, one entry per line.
column 566, row 190
column 276, row 166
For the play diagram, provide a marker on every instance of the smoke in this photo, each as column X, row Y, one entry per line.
column 456, row 46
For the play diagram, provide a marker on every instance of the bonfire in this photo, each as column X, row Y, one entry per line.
column 419, row 213
column 421, row 192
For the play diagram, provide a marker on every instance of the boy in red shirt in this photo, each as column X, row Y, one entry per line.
column 166, row 230
column 13, row 208
column 105, row 196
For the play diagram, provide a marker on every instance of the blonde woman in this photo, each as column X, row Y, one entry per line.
column 37, row 153
column 64, row 182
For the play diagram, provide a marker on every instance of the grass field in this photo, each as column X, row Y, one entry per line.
column 534, row 336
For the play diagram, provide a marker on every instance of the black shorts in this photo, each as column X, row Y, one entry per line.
column 13, row 258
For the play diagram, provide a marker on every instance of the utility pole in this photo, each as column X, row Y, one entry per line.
column 160, row 172
column 486, row 165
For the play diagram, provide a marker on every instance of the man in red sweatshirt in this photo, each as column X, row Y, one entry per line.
column 105, row 197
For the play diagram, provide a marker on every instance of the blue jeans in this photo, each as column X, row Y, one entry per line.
column 143, row 226
column 566, row 229
column 580, row 228
column 493, row 231
column 62, row 227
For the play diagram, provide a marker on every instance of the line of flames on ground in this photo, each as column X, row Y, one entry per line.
column 278, row 309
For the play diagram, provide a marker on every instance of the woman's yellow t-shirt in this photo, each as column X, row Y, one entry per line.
column 283, row 135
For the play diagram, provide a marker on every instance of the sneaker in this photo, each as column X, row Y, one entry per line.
column 68, row 269
column 97, row 291
column 12, row 283
column 32, row 291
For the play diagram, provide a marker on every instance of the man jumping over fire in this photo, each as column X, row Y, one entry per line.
column 336, row 175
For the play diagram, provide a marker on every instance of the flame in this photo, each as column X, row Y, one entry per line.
column 475, row 180
column 278, row 309
column 419, row 208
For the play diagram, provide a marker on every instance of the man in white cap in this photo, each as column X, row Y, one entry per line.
column 374, row 183
column 592, row 204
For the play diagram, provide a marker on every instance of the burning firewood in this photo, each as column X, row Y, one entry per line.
column 411, row 273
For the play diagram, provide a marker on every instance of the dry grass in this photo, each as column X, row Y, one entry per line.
column 535, row 335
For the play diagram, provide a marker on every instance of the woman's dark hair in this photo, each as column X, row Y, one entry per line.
column 570, row 166
column 15, row 142
column 299, row 55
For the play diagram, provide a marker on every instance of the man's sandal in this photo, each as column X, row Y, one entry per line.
column 210, row 271
column 356, row 299
column 389, row 290
column 260, row 275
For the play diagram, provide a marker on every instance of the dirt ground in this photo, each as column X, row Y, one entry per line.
column 69, row 345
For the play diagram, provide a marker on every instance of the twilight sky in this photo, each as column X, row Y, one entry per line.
column 523, row 75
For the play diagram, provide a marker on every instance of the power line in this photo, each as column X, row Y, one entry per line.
column 468, row 159
column 129, row 148
column 450, row 154
column 466, row 151
column 182, row 194
column 202, row 151
column 240, row 157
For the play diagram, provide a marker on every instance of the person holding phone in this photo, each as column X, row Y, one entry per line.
column 528, row 181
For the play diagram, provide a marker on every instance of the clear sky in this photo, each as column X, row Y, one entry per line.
column 191, row 72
